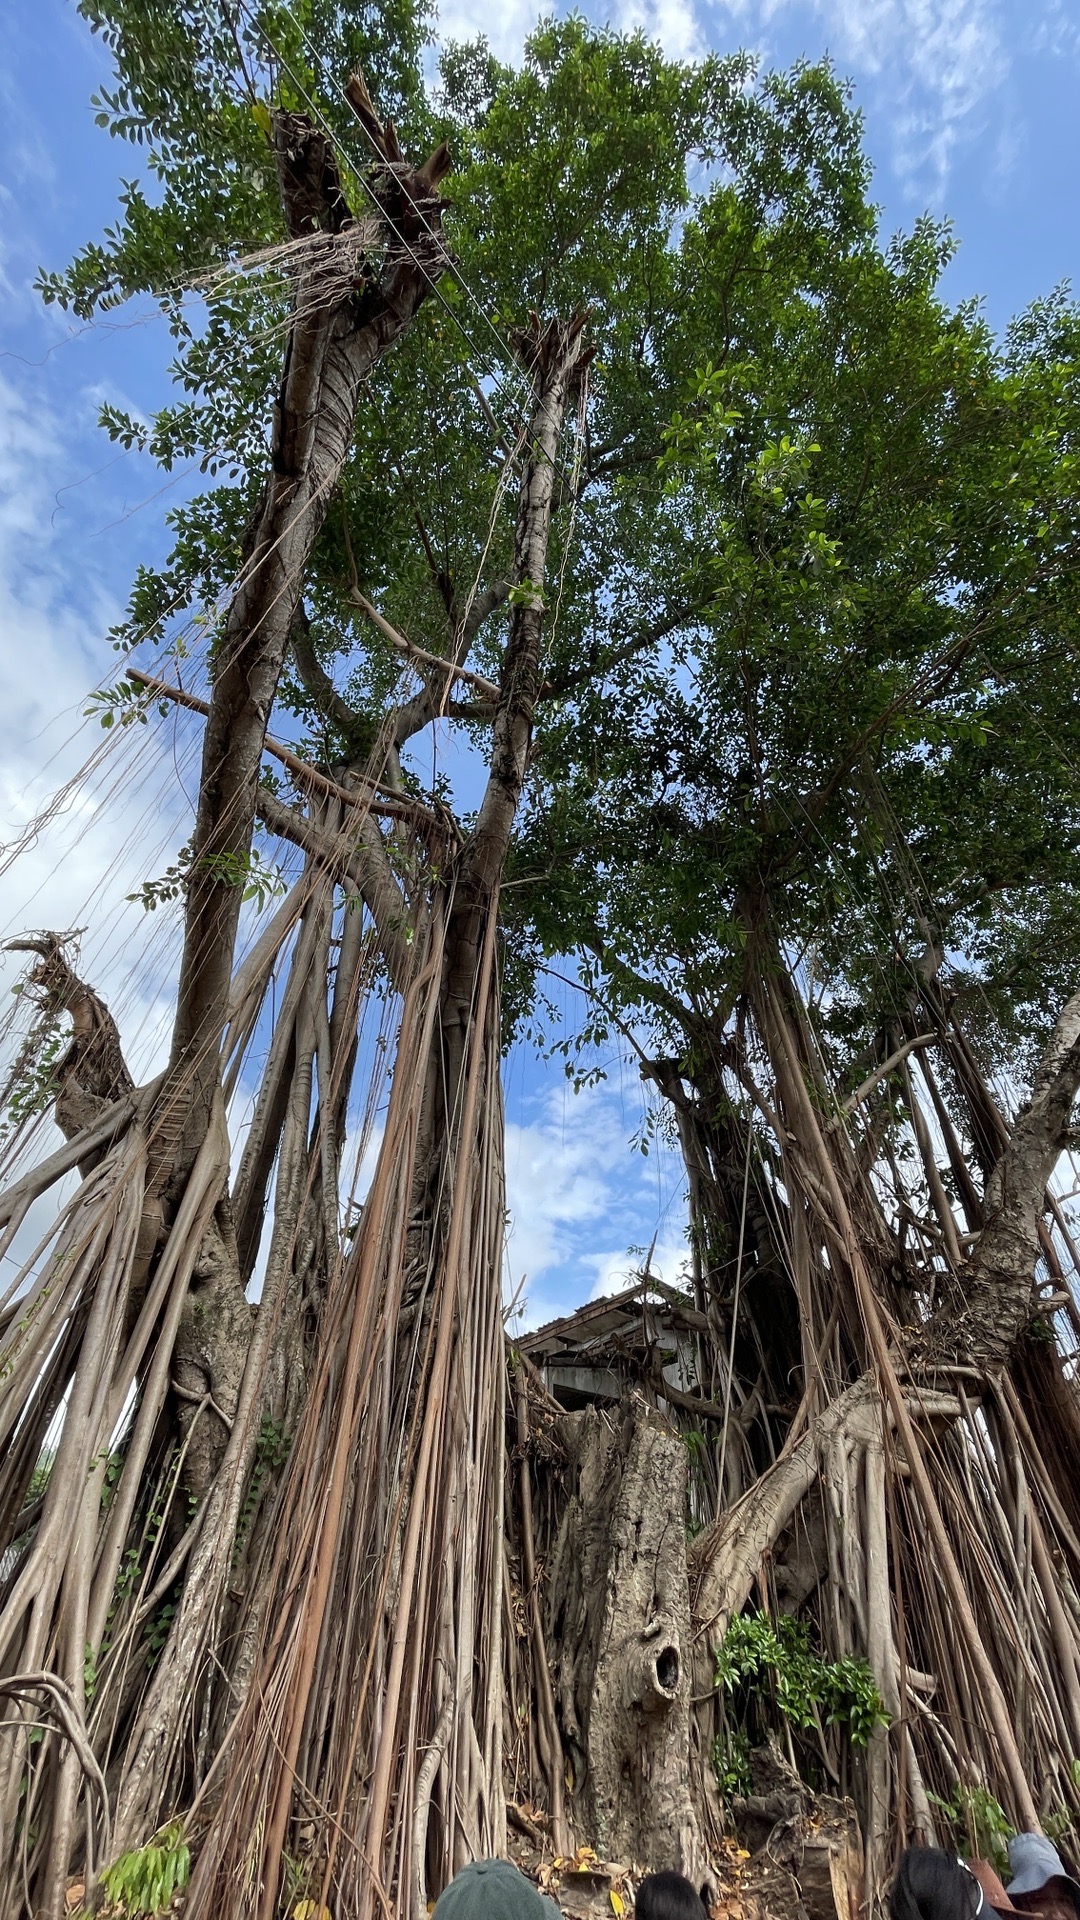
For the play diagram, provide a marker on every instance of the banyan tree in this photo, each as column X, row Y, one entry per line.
column 617, row 563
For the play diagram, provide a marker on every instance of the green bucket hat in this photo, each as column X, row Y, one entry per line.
column 492, row 1890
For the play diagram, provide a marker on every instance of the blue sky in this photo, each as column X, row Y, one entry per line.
column 971, row 112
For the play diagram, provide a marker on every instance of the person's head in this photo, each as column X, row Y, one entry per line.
column 931, row 1885
column 492, row 1890
column 1040, row 1883
column 667, row 1896
column 1055, row 1900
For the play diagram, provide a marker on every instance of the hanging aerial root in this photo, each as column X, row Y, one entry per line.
column 393, row 1765
column 319, row 269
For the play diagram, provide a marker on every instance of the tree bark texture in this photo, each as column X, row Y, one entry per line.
column 619, row 1632
column 333, row 346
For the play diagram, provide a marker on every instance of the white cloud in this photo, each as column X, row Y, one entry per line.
column 505, row 30
column 934, row 66
column 581, row 1197
column 934, row 71
column 559, row 1173
column 1056, row 32
column 668, row 1261
column 124, row 820
column 674, row 23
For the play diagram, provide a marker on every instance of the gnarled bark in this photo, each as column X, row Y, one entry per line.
column 91, row 1073
column 620, row 1635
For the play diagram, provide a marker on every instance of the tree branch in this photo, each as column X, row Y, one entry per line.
column 317, row 681
column 91, row 1073
column 419, row 712
column 358, row 859
column 600, row 662
column 557, row 357
column 880, row 1073
column 395, row 806
column 434, row 662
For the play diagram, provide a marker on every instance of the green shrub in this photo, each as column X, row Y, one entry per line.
column 761, row 1656
column 143, row 1882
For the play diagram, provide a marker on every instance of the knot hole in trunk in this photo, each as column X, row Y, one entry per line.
column 662, row 1674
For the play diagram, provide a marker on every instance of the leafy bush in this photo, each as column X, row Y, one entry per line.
column 977, row 1824
column 143, row 1882
column 731, row 1763
column 761, row 1656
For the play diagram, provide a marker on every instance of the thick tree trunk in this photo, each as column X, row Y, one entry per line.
column 354, row 297
column 620, row 1636
column 879, row 1398
column 333, row 347
column 997, row 1283
column 393, row 1495
column 555, row 356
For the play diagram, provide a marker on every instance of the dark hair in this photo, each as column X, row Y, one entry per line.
column 1055, row 1900
column 931, row 1885
column 667, row 1896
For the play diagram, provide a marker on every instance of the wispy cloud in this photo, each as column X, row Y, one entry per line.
column 581, row 1199
column 674, row 24
column 126, row 816
column 669, row 1261
column 677, row 25
column 933, row 69
column 505, row 28
column 1056, row 31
